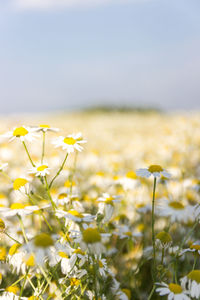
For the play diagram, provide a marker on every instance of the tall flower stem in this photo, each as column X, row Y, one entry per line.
column 153, row 231
column 58, row 173
column 26, row 149
column 43, row 147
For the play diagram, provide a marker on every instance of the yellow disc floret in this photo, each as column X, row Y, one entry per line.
column 19, row 182
column 62, row 254
column 12, row 289
column 69, row 141
column 176, row 205
column 155, row 168
column 20, row 131
column 164, row 237
column 175, row 288
column 43, row 240
column 13, row 249
column 17, row 206
column 42, row 168
column 30, row 262
column 44, row 126
column 2, row 225
column 2, row 253
column 91, row 235
column 195, row 247
column 75, row 214
column 74, row 281
column 194, row 275
column 131, row 175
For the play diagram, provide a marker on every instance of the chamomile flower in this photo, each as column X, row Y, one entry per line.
column 21, row 185
column 163, row 240
column 40, row 170
column 173, row 291
column 192, row 281
column 41, row 247
column 195, row 248
column 106, row 205
column 18, row 209
column 70, row 143
column 24, row 133
column 74, row 216
column 155, row 170
column 45, row 128
column 176, row 210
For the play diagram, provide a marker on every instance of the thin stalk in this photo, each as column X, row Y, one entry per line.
column 152, row 292
column 43, row 147
column 23, row 229
column 153, row 231
column 49, row 194
column 22, row 288
column 12, row 238
column 28, row 154
column 58, row 173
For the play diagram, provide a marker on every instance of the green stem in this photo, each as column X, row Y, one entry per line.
column 195, row 261
column 49, row 194
column 43, row 147
column 153, row 231
column 152, row 292
column 58, row 173
column 23, row 230
column 163, row 254
column 28, row 154
column 22, row 288
column 12, row 238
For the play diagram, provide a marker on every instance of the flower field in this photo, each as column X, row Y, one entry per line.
column 100, row 206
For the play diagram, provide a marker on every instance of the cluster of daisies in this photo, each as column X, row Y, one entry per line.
column 92, row 226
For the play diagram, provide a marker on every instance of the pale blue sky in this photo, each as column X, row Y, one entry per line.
column 95, row 52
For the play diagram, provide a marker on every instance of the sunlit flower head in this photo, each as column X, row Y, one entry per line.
column 45, row 128
column 173, row 291
column 70, row 143
column 192, row 282
column 24, row 133
column 154, row 170
column 40, row 170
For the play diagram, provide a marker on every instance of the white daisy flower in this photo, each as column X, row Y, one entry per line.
column 74, row 215
column 106, row 206
column 155, row 170
column 40, row 170
column 24, row 133
column 173, row 291
column 192, row 281
column 70, row 143
column 195, row 248
column 163, row 240
column 176, row 210
column 18, row 209
column 45, row 128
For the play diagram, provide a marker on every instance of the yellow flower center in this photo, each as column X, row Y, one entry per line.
column 175, row 288
column 74, row 281
column 43, row 240
column 62, row 254
column 127, row 292
column 42, row 168
column 19, row 182
column 176, row 205
column 194, row 275
column 2, row 225
column 100, row 264
column 109, row 200
column 128, row 233
column 164, row 237
column 17, row 206
column 62, row 196
column 13, row 249
column 79, row 251
column 75, row 214
column 155, row 168
column 69, row 141
column 91, row 235
column 30, row 262
column 196, row 247
column 131, row 175
column 20, row 131
column 2, row 253
column 12, row 289
column 44, row 126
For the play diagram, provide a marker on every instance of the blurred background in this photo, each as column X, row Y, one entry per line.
column 63, row 55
